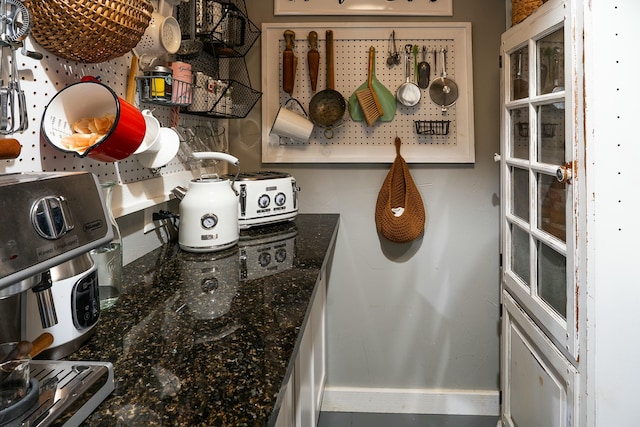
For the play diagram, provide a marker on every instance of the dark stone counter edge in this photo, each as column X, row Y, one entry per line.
column 326, row 268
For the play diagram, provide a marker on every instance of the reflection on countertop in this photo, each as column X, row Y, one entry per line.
column 207, row 339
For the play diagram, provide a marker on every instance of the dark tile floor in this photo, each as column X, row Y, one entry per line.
column 355, row 419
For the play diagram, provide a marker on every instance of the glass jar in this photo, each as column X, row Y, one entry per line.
column 108, row 258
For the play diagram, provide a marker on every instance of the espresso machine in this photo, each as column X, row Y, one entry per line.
column 48, row 283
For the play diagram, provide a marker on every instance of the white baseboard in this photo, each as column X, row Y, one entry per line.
column 410, row 401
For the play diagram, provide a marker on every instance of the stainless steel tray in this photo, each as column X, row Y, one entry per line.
column 69, row 392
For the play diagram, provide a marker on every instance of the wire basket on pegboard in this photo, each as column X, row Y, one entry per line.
column 432, row 127
column 223, row 26
column 521, row 9
column 89, row 31
column 221, row 87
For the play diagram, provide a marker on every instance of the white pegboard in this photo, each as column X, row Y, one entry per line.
column 41, row 80
column 355, row 142
column 363, row 7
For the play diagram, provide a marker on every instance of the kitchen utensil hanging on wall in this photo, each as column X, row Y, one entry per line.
column 408, row 94
column 400, row 215
column 424, row 70
column 385, row 97
column 393, row 57
column 313, row 59
column 328, row 106
column 16, row 24
column 443, row 90
column 289, row 63
column 367, row 97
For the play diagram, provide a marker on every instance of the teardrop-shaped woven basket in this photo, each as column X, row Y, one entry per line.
column 89, row 31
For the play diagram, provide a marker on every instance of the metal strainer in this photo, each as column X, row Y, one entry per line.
column 162, row 36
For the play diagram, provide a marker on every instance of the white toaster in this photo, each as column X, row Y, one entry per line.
column 266, row 197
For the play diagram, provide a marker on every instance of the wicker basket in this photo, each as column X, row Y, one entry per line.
column 89, row 31
column 520, row 9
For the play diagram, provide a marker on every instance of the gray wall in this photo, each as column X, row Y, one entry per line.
column 422, row 315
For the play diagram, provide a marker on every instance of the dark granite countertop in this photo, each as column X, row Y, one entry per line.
column 208, row 339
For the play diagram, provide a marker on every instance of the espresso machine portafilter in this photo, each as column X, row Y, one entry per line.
column 49, row 219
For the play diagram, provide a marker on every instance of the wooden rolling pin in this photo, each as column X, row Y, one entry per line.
column 10, row 148
column 131, row 80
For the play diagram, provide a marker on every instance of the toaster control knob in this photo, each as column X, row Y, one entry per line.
column 264, row 259
column 263, row 201
column 208, row 221
column 280, row 199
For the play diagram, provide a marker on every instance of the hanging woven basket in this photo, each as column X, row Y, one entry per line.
column 400, row 214
column 521, row 9
column 89, row 31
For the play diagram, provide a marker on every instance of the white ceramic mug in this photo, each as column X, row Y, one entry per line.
column 151, row 133
column 162, row 151
column 290, row 124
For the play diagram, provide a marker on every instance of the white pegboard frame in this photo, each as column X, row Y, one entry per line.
column 352, row 40
column 41, row 80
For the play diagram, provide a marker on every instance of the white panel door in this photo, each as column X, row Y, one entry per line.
column 543, row 205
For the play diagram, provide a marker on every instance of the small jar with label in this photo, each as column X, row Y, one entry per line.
column 158, row 83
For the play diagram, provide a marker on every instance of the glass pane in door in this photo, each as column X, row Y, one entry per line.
column 520, row 253
column 550, row 63
column 552, row 278
column 552, row 199
column 519, row 73
column 551, row 141
column 520, row 193
column 520, row 133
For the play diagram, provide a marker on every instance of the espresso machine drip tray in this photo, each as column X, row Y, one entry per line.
column 69, row 392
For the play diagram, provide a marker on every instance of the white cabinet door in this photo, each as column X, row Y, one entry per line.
column 286, row 415
column 303, row 378
column 540, row 386
column 318, row 316
column 310, row 366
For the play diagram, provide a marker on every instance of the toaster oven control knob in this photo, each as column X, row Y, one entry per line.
column 263, row 201
column 208, row 221
column 280, row 199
